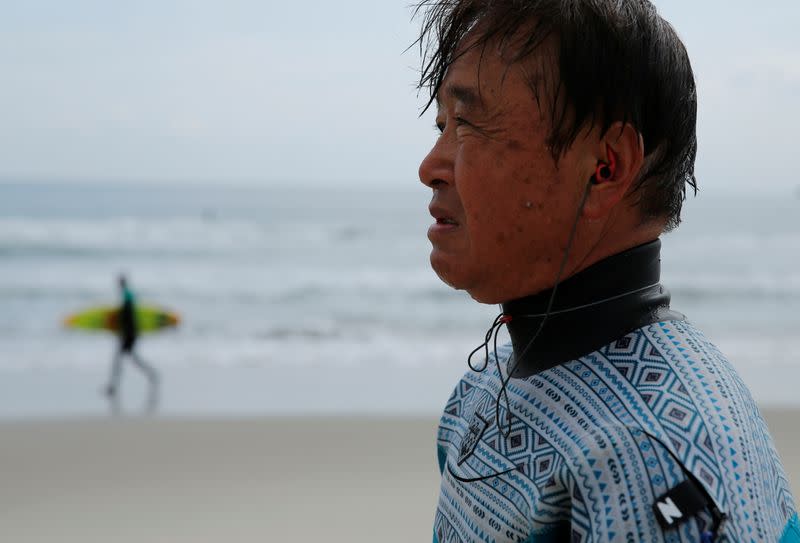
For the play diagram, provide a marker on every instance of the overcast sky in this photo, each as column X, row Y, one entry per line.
column 321, row 92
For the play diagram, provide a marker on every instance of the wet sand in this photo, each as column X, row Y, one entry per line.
column 261, row 479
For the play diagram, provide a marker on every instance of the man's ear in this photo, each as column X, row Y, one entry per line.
column 622, row 150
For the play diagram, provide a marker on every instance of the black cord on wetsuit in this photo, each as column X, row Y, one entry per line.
column 719, row 517
column 491, row 335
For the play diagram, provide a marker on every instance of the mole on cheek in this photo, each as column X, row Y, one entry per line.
column 500, row 238
column 514, row 145
column 523, row 174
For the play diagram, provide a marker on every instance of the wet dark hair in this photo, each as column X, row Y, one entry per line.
column 615, row 60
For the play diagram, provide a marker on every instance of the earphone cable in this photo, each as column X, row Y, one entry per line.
column 492, row 333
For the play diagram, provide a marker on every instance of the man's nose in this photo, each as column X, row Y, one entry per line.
column 437, row 167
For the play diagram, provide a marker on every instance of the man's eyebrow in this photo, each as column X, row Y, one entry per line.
column 466, row 95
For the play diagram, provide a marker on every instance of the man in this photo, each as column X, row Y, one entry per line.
column 567, row 142
column 128, row 333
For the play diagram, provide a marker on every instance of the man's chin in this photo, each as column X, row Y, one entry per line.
column 448, row 269
column 458, row 275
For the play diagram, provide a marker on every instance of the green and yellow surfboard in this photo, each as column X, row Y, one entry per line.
column 149, row 318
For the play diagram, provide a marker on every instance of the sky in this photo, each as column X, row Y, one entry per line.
column 321, row 93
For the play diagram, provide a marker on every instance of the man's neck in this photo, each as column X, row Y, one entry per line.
column 596, row 306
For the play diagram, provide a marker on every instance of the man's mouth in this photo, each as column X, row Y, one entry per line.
column 442, row 216
column 444, row 226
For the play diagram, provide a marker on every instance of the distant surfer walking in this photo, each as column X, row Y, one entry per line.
column 128, row 333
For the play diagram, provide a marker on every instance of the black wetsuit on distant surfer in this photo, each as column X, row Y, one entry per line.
column 127, row 320
column 128, row 333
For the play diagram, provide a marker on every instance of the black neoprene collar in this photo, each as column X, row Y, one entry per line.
column 591, row 309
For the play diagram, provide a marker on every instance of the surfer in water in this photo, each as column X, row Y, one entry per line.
column 567, row 142
column 128, row 334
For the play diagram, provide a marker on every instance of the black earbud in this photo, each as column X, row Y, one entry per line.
column 605, row 170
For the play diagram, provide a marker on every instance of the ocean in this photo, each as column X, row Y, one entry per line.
column 321, row 300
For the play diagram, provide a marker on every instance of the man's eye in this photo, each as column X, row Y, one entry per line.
column 460, row 121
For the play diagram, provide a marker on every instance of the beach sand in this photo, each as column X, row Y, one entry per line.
column 287, row 479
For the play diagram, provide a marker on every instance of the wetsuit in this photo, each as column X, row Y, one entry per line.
column 617, row 402
column 128, row 331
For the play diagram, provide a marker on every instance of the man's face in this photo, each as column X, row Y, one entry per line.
column 503, row 207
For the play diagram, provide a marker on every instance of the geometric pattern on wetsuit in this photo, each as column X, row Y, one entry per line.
column 585, row 466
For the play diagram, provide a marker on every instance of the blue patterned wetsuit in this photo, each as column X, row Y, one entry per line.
column 585, row 459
